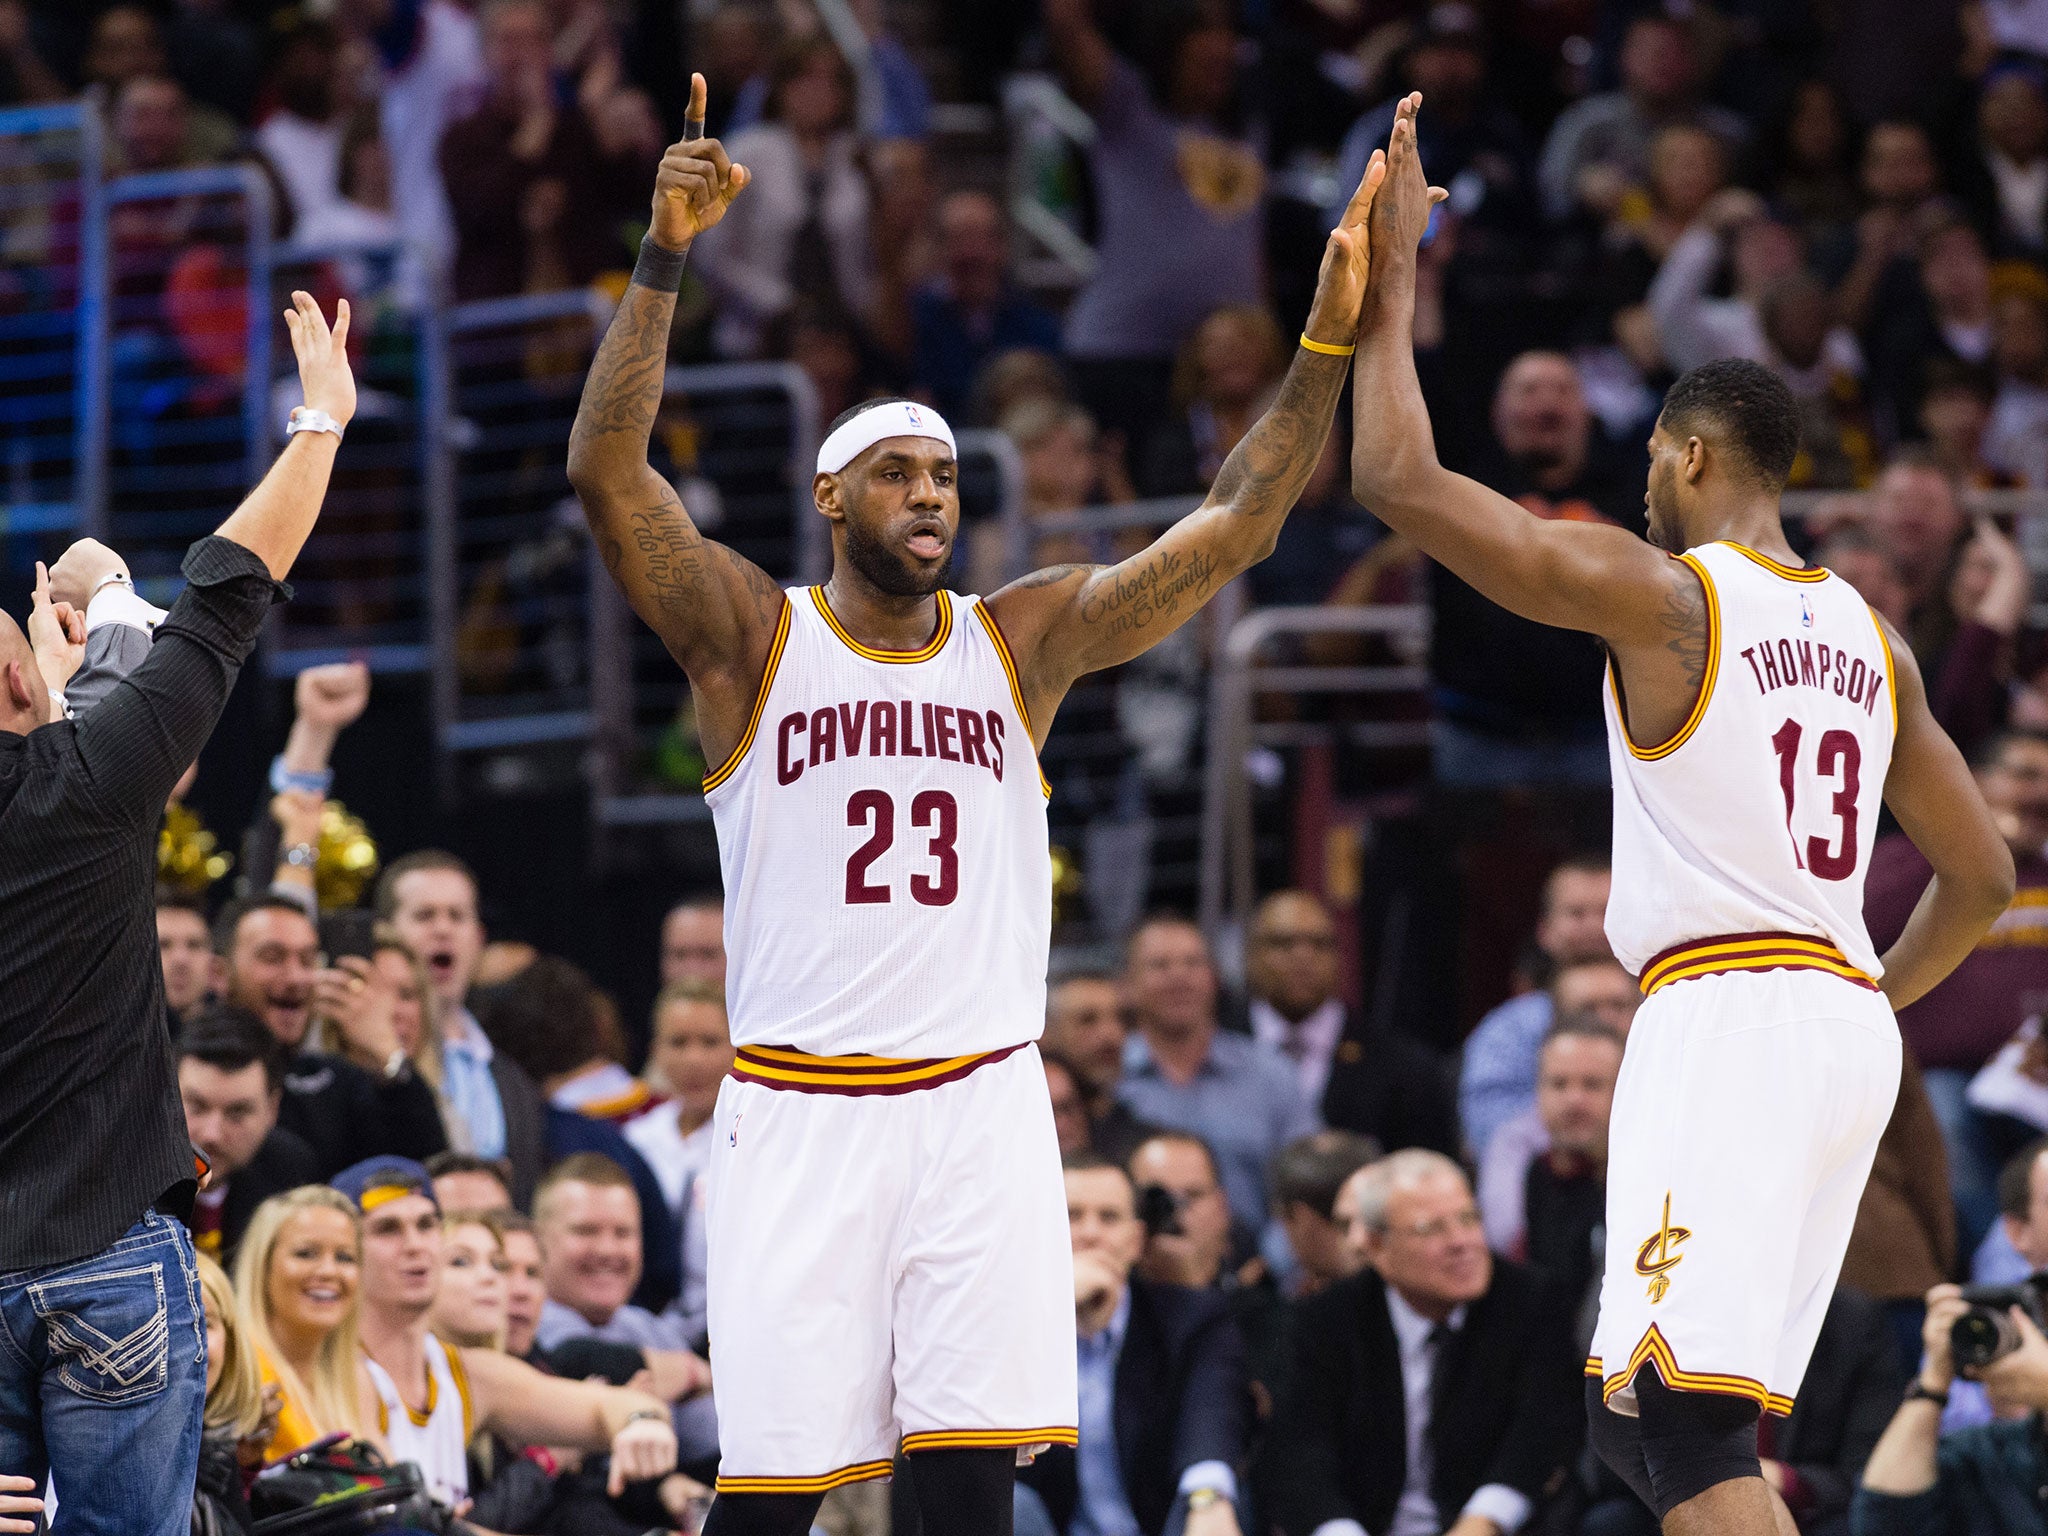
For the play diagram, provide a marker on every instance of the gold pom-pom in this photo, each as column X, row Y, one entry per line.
column 188, row 857
column 346, row 860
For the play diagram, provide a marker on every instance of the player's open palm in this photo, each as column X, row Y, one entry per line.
column 697, row 181
column 324, row 373
column 1347, row 258
column 1400, row 210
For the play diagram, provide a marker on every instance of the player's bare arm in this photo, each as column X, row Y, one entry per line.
column 1648, row 607
column 715, row 610
column 1932, row 792
column 1069, row 620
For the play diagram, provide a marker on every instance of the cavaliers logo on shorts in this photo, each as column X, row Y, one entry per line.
column 1659, row 1256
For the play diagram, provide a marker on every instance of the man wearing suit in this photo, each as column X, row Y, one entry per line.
column 1164, row 1407
column 231, row 1078
column 1359, row 1076
column 1436, row 1391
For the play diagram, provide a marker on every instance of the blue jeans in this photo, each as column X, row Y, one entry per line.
column 103, row 1382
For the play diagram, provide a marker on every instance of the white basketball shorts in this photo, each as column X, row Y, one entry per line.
column 1746, row 1117
column 888, row 1261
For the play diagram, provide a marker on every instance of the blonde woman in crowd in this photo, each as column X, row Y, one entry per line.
column 241, row 1413
column 469, row 1303
column 296, row 1283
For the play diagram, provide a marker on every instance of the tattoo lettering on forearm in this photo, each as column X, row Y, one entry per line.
column 1272, row 462
column 1152, row 593
column 1685, row 621
column 670, row 555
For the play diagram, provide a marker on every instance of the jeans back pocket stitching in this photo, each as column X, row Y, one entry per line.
column 151, row 1341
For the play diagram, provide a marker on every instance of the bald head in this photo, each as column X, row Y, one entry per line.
column 24, row 702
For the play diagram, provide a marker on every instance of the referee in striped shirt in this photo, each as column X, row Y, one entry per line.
column 102, row 1335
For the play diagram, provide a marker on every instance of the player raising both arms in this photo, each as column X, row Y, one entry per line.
column 1756, row 711
column 888, row 1241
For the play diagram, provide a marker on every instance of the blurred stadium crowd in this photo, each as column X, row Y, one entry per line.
column 1335, row 1185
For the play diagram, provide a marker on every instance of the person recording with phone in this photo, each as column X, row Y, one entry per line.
column 1986, row 1479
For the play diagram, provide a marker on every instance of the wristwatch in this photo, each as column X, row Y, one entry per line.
column 1202, row 1498
column 1919, row 1392
column 302, row 855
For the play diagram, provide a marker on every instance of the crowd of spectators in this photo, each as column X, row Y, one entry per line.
column 1329, row 1277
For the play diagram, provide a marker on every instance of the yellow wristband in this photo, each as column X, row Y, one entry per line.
column 1325, row 348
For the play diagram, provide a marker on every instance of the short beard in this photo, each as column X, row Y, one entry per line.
column 886, row 571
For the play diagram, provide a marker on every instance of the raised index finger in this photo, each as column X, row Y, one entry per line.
column 693, row 118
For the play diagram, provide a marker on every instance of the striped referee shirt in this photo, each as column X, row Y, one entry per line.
column 92, row 1133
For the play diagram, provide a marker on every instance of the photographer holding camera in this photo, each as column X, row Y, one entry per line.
column 1988, row 1479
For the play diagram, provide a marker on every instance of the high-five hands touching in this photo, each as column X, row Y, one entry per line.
column 697, row 181
column 324, row 373
column 1347, row 264
column 1400, row 214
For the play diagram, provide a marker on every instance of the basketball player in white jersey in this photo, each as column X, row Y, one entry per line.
column 889, row 1256
column 1757, row 711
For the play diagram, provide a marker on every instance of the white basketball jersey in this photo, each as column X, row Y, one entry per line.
column 437, row 1441
column 881, row 828
column 1758, row 816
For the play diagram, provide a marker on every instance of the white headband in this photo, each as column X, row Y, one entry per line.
column 898, row 418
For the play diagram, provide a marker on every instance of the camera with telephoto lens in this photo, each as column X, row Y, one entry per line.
column 1159, row 1210
column 1987, row 1332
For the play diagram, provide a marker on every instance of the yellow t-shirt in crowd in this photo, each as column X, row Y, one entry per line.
column 295, row 1427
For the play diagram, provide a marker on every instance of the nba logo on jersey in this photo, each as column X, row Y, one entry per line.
column 1805, row 611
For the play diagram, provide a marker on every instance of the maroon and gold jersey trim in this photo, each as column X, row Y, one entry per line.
column 995, row 636
column 776, row 1066
column 725, row 769
column 925, row 652
column 990, row 1439
column 1750, row 952
column 859, row 1472
column 460, row 1372
column 1891, row 668
column 1683, row 734
column 1777, row 568
column 1655, row 1352
column 620, row 1106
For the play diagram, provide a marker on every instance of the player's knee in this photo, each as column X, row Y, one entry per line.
column 1692, row 1441
column 1617, row 1440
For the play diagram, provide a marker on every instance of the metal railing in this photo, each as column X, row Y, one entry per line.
column 189, row 345
column 1229, row 882
column 53, row 314
column 361, row 585
column 1047, row 132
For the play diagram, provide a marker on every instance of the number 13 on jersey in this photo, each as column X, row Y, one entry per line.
column 1838, row 760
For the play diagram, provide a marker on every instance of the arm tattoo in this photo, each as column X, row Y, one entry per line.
column 1685, row 622
column 623, row 392
column 1130, row 600
column 669, row 556
column 1272, row 462
column 1051, row 576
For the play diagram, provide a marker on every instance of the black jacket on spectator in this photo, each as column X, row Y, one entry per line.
column 284, row 1161
column 1180, row 1399
column 526, row 1129
column 346, row 1115
column 1391, row 1087
column 1849, row 1395
column 1506, row 1395
column 92, row 1133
